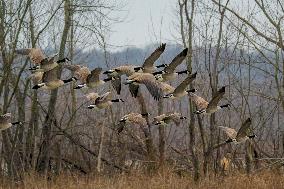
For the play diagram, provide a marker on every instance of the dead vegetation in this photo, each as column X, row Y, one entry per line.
column 160, row 180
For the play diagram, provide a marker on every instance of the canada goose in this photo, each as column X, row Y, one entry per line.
column 116, row 74
column 133, row 118
column 153, row 86
column 87, row 78
column 165, row 119
column 180, row 91
column 169, row 72
column 5, row 121
column 121, row 70
column 103, row 101
column 242, row 135
column 148, row 65
column 79, row 72
column 51, row 81
column 204, row 107
column 46, row 64
column 42, row 63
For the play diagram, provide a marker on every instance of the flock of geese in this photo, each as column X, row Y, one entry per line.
column 46, row 76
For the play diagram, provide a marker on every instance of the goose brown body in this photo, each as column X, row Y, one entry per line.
column 80, row 72
column 153, row 86
column 5, row 121
column 204, row 107
column 132, row 118
column 51, row 81
column 38, row 58
column 35, row 54
column 180, row 90
column 165, row 119
column 101, row 101
column 243, row 134
column 90, row 79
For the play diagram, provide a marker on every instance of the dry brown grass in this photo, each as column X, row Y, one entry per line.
column 269, row 180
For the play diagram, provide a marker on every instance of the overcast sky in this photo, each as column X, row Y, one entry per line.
column 147, row 21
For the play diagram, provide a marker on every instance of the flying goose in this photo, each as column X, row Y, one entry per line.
column 243, row 134
column 42, row 63
column 133, row 118
column 165, row 119
column 79, row 72
column 204, row 107
column 116, row 74
column 148, row 65
column 181, row 91
column 51, row 81
column 101, row 102
column 169, row 72
column 153, row 86
column 5, row 121
column 90, row 79
column 121, row 70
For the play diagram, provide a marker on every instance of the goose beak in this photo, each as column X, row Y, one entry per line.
column 137, row 69
column 192, row 90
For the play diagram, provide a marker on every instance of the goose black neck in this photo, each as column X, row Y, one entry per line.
column 36, row 87
column 225, row 106
column 117, row 100
column 137, row 68
column 229, row 140
column 145, row 114
column 63, row 60
column 16, row 123
column 108, row 79
column 182, row 72
column 191, row 90
column 78, row 87
column 199, row 111
column 68, row 80
column 252, row 136
column 159, row 72
column 161, row 66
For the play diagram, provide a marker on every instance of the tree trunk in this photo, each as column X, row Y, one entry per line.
column 162, row 136
column 44, row 152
